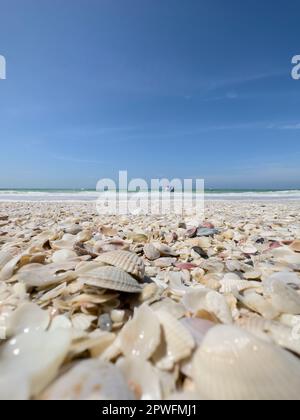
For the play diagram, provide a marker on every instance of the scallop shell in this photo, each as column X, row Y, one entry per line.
column 199, row 300
column 283, row 297
column 36, row 356
column 111, row 278
column 229, row 285
column 151, row 252
column 177, row 345
column 90, row 380
column 125, row 260
column 145, row 387
column 27, row 318
column 232, row 364
column 141, row 336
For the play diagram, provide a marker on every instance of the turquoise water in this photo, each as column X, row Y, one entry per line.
column 89, row 195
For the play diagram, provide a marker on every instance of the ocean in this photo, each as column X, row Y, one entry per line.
column 91, row 195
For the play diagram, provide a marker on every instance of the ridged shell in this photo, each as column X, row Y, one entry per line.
column 232, row 364
column 125, row 260
column 177, row 345
column 111, row 278
column 90, row 380
column 141, row 336
column 258, row 304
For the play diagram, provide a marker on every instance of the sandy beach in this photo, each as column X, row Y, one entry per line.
column 207, row 311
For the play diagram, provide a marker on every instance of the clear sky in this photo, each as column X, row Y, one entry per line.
column 162, row 88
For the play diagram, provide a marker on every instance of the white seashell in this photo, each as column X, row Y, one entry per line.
column 258, row 304
column 165, row 250
column 141, row 336
column 231, row 285
column 111, row 278
column 27, row 318
column 177, row 345
column 165, row 262
column 127, row 261
column 63, row 255
column 286, row 255
column 197, row 327
column 270, row 330
column 145, row 387
column 252, row 275
column 177, row 310
column 232, row 364
column 14, row 387
column 90, row 380
column 60, row 322
column 96, row 343
column 151, row 252
column 36, row 355
column 43, row 276
column 283, row 297
column 199, row 300
column 82, row 321
column 249, row 249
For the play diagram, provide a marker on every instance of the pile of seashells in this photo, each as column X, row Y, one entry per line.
column 205, row 310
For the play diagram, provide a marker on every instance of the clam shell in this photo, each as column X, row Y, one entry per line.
column 151, row 252
column 177, row 345
column 125, row 260
column 111, row 278
column 90, row 380
column 27, row 318
column 35, row 356
column 145, row 387
column 141, row 336
column 232, row 364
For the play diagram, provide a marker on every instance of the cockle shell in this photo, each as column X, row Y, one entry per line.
column 232, row 364
column 27, row 318
column 111, row 278
column 125, row 260
column 145, row 386
column 151, row 252
column 90, row 380
column 258, row 304
column 36, row 356
column 199, row 300
column 141, row 335
column 177, row 344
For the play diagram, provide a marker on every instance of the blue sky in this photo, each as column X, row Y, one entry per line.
column 162, row 88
